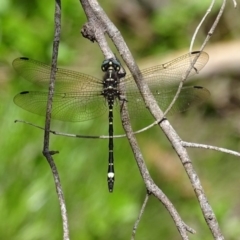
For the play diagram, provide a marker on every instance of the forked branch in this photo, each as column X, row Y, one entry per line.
column 97, row 17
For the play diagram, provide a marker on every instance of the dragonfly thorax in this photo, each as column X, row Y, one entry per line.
column 111, row 79
column 111, row 84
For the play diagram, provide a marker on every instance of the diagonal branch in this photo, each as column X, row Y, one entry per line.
column 185, row 144
column 97, row 14
column 219, row 149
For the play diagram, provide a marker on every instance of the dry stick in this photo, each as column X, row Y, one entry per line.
column 185, row 144
column 79, row 135
column 211, row 31
column 234, row 4
column 139, row 217
column 68, row 134
column 48, row 154
column 165, row 125
column 99, row 23
column 150, row 185
column 205, row 146
column 184, row 78
column 200, row 24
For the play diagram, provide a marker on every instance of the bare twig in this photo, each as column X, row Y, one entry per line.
column 83, row 136
column 235, row 3
column 139, row 216
column 68, row 134
column 184, row 78
column 46, row 152
column 185, row 144
column 219, row 149
column 199, row 25
column 211, row 31
column 151, row 186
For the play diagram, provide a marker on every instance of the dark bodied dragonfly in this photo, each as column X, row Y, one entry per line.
column 80, row 97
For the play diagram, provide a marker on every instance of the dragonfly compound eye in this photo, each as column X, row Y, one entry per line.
column 111, row 63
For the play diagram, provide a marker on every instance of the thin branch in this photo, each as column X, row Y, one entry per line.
column 184, row 78
column 139, row 216
column 185, row 144
column 234, row 3
column 67, row 134
column 46, row 152
column 85, row 136
column 207, row 211
column 200, row 24
column 151, row 186
column 219, row 149
column 211, row 31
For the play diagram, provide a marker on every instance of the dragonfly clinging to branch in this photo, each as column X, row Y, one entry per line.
column 81, row 97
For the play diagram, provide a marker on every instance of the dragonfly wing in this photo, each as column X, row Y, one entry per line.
column 66, row 80
column 189, row 96
column 163, row 81
column 171, row 73
column 67, row 106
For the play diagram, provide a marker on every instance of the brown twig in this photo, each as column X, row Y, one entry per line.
column 205, row 146
column 46, row 152
column 139, row 216
column 185, row 144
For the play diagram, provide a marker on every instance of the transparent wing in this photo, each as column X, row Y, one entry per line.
column 73, row 107
column 163, row 82
column 66, row 80
column 77, row 96
column 189, row 97
column 171, row 73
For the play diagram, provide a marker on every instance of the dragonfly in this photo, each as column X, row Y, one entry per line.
column 81, row 97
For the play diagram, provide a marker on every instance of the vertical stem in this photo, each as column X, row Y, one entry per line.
column 48, row 154
column 56, row 42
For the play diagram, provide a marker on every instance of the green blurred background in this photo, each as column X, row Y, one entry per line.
column 155, row 31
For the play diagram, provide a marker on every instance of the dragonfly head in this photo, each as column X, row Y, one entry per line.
column 111, row 63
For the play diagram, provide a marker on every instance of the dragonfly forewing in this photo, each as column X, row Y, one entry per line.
column 66, row 80
column 171, row 73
